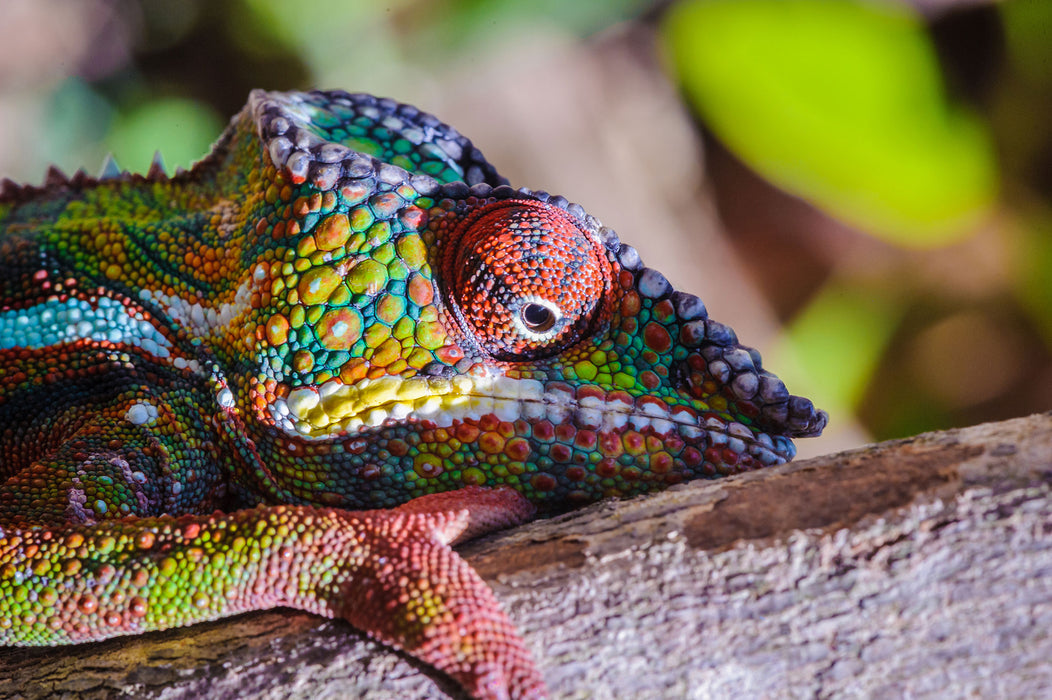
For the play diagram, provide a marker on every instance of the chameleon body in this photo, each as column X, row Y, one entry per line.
column 295, row 374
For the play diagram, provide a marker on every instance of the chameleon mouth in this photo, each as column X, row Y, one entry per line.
column 336, row 410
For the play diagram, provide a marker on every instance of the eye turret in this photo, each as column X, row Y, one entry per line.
column 526, row 280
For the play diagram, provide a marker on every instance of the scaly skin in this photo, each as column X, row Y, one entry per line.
column 342, row 307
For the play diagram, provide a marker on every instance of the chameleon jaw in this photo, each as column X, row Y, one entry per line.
column 333, row 410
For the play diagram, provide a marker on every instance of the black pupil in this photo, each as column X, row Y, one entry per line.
column 537, row 317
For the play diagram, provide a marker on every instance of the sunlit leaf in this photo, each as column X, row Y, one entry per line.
column 841, row 103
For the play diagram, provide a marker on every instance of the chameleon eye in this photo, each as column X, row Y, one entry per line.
column 539, row 316
column 526, row 280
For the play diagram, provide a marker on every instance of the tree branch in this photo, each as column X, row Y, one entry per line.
column 914, row 567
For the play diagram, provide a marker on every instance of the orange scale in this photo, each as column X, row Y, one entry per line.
column 661, row 463
column 649, row 380
column 585, row 439
column 633, row 442
column 303, row 361
column 518, row 449
column 565, row 432
column 610, row 445
column 692, row 457
column 277, row 330
column 607, row 468
column 560, row 453
column 590, row 390
column 389, row 351
column 397, row 447
column 657, row 337
column 631, row 473
column 467, row 432
column 576, row 474
column 87, row 604
column 354, row 370
column 543, row 482
column 674, row 444
column 340, row 328
column 544, row 431
column 663, row 310
column 491, row 442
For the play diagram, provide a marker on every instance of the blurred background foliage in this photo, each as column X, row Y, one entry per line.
column 862, row 189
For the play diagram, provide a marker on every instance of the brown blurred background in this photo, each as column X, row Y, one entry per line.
column 863, row 190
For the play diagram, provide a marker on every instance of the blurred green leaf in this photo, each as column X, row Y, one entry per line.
column 479, row 18
column 841, row 103
column 832, row 349
column 346, row 24
column 182, row 130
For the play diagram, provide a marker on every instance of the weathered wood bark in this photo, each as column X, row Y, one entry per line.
column 919, row 567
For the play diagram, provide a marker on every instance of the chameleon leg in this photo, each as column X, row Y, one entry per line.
column 432, row 603
column 391, row 573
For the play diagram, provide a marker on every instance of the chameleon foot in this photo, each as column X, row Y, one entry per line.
column 415, row 593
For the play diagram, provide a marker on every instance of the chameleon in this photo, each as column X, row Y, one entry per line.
column 300, row 372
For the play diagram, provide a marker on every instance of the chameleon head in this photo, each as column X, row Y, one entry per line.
column 422, row 335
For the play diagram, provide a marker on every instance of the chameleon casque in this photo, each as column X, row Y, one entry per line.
column 205, row 379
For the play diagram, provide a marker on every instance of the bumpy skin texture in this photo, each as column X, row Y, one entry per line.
column 344, row 306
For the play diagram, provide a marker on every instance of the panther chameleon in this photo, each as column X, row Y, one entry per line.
column 297, row 373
